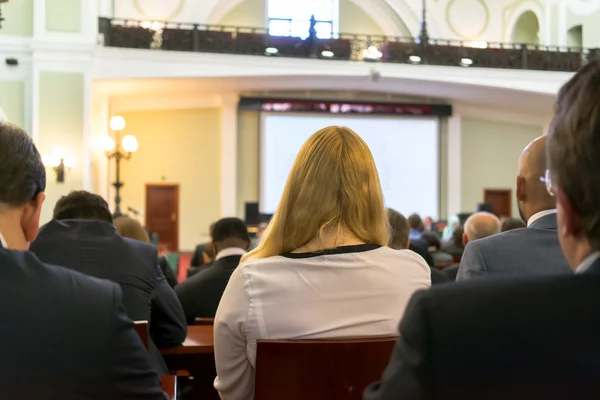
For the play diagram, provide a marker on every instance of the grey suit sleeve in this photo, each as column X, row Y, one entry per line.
column 472, row 264
column 133, row 375
column 405, row 376
column 168, row 326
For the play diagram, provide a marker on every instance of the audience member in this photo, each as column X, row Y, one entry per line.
column 428, row 225
column 453, row 223
column 81, row 237
column 200, row 294
column 323, row 269
column 416, row 226
column 132, row 229
column 399, row 231
column 531, row 250
column 262, row 227
column 520, row 337
column 198, row 259
column 65, row 335
column 455, row 247
column 440, row 258
column 512, row 223
column 478, row 226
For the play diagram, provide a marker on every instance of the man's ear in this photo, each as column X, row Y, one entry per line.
column 465, row 239
column 569, row 223
column 521, row 189
column 30, row 218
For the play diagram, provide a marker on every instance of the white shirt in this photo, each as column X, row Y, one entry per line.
column 232, row 251
column 3, row 242
column 348, row 294
column 539, row 215
column 587, row 263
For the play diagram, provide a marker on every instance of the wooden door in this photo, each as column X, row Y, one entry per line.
column 162, row 215
column 500, row 200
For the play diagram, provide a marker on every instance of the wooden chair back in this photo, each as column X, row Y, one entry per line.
column 205, row 321
column 141, row 327
column 319, row 369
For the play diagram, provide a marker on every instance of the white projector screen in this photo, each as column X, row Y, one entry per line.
column 405, row 149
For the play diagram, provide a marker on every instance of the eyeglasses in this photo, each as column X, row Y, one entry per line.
column 547, row 179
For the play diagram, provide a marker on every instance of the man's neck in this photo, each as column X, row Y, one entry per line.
column 10, row 228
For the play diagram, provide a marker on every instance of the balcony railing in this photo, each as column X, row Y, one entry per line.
column 353, row 47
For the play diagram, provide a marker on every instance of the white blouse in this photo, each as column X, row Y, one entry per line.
column 351, row 291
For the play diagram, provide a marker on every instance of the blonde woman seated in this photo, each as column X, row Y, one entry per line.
column 322, row 269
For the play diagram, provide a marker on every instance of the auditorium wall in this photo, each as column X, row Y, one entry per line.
column 179, row 147
column 63, row 15
column 490, row 153
column 61, row 124
column 12, row 101
column 250, row 13
column 248, row 155
column 354, row 20
column 18, row 18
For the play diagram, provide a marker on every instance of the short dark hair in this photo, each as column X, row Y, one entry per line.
column 512, row 223
column 228, row 228
column 574, row 145
column 415, row 222
column 399, row 230
column 82, row 205
column 432, row 239
column 457, row 236
column 22, row 173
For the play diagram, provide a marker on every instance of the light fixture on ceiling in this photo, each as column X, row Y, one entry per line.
column 414, row 59
column 466, row 62
column 478, row 44
column 327, row 53
column 271, row 51
column 372, row 53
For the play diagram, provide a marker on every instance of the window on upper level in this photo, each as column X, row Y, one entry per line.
column 292, row 17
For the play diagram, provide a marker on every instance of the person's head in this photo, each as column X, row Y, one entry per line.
column 532, row 196
column 211, row 228
column 230, row 232
column 130, row 228
column 22, row 186
column 480, row 225
column 209, row 253
column 574, row 169
column 332, row 195
column 414, row 220
column 433, row 241
column 399, row 230
column 428, row 223
column 80, row 204
column 457, row 236
column 508, row 224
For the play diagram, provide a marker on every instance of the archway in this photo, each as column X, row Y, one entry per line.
column 575, row 36
column 527, row 29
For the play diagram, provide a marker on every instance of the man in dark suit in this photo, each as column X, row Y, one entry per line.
column 64, row 335
column 520, row 337
column 528, row 251
column 200, row 294
column 81, row 237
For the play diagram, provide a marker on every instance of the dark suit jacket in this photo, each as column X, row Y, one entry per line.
column 527, row 251
column 96, row 249
column 200, row 295
column 505, row 338
column 67, row 336
column 451, row 272
column 438, row 276
column 167, row 271
column 197, row 259
column 419, row 246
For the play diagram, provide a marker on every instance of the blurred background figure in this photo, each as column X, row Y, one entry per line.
column 198, row 259
column 508, row 224
column 416, row 226
column 428, row 225
column 453, row 223
column 434, row 245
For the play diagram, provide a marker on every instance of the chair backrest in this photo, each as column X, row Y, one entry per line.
column 141, row 327
column 205, row 321
column 319, row 369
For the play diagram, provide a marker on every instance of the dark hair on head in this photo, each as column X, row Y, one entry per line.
column 512, row 223
column 229, row 228
column 432, row 239
column 457, row 236
column 22, row 173
column 415, row 222
column 574, row 145
column 399, row 230
column 82, row 205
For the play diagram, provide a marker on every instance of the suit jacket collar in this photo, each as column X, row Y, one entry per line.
column 545, row 222
column 78, row 228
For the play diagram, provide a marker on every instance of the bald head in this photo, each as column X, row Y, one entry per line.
column 531, row 192
column 481, row 225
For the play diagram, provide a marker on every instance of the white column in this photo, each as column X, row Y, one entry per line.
column 562, row 23
column 454, row 170
column 39, row 18
column 89, row 18
column 87, row 150
column 547, row 25
column 229, row 112
column 105, row 8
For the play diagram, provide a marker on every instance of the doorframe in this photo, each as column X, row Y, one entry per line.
column 169, row 185
column 510, row 198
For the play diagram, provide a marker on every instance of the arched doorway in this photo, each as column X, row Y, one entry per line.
column 527, row 29
column 575, row 36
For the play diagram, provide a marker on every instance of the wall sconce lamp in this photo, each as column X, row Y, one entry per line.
column 119, row 151
column 58, row 162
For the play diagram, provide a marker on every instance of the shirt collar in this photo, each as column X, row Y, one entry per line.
column 3, row 242
column 587, row 263
column 232, row 251
column 539, row 215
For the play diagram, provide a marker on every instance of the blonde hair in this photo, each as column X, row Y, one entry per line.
column 333, row 184
column 130, row 228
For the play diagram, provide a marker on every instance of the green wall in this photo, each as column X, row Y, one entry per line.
column 248, row 162
column 61, row 109
column 490, row 154
column 63, row 15
column 12, row 101
column 18, row 16
column 354, row 20
column 250, row 13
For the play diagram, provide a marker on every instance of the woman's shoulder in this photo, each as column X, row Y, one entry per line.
column 403, row 256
